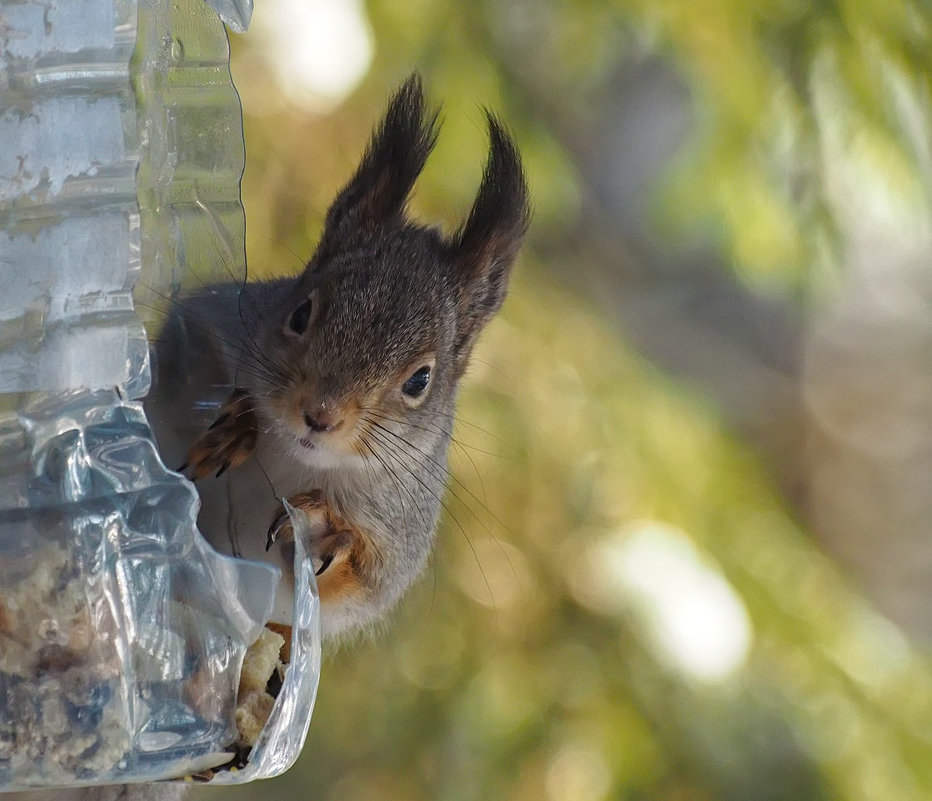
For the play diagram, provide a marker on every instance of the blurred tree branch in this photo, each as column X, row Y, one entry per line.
column 685, row 309
column 782, row 371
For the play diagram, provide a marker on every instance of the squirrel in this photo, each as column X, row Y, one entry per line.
column 344, row 378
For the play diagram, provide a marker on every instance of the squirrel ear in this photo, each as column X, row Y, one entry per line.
column 486, row 246
column 377, row 193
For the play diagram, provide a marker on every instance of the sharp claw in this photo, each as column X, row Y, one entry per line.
column 185, row 465
column 275, row 530
column 222, row 470
column 325, row 563
column 218, row 421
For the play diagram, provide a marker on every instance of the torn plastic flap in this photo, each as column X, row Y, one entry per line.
column 282, row 738
column 236, row 14
column 122, row 631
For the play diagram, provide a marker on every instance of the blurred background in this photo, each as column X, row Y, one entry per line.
column 686, row 550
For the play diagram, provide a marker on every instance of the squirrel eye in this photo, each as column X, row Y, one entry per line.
column 414, row 387
column 301, row 317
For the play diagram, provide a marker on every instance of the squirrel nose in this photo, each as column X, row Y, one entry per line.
column 321, row 422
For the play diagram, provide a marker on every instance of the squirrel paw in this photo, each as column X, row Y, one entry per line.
column 228, row 442
column 311, row 503
column 328, row 542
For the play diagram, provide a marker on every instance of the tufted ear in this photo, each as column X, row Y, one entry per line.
column 378, row 192
column 486, row 246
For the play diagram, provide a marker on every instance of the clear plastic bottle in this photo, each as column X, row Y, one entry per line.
column 122, row 631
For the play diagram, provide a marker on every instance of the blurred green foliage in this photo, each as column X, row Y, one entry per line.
column 531, row 663
column 784, row 87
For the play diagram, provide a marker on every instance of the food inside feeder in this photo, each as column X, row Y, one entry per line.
column 260, row 680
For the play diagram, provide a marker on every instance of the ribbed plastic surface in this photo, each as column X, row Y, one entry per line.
column 121, row 630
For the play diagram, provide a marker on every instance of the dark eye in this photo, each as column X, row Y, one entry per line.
column 300, row 317
column 414, row 387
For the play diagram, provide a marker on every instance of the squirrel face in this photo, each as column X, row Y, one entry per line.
column 376, row 332
column 354, row 364
column 368, row 341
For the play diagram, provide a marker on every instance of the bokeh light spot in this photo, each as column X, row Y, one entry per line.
column 689, row 611
column 578, row 773
column 319, row 49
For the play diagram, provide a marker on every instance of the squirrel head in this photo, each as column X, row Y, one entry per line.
column 377, row 331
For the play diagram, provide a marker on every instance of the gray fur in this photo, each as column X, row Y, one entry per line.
column 386, row 296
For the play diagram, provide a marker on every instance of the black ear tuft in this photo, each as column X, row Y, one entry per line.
column 376, row 195
column 487, row 245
